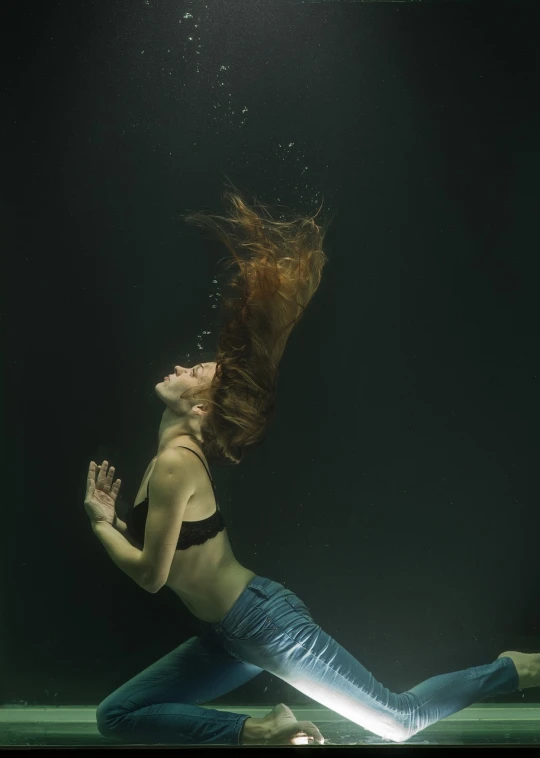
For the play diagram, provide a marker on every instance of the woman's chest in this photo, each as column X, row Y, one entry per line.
column 201, row 504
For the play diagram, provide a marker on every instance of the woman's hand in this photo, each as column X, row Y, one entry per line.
column 101, row 493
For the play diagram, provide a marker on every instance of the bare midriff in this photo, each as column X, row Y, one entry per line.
column 208, row 589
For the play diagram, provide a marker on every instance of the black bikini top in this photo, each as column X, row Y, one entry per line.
column 191, row 532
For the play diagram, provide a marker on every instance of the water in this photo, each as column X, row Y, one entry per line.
column 386, row 475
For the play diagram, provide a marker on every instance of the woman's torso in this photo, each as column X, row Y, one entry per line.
column 207, row 578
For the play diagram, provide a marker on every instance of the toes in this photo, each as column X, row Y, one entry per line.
column 310, row 730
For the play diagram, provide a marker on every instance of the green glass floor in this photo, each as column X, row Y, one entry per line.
column 481, row 724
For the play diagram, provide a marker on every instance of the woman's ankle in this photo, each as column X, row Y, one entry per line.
column 254, row 732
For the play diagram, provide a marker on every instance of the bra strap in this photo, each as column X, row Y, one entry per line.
column 201, row 460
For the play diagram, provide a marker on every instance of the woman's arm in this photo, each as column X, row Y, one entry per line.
column 121, row 527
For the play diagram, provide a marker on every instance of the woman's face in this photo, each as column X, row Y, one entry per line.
column 173, row 386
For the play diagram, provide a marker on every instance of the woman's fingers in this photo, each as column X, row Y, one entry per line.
column 108, row 483
column 91, row 479
column 102, row 472
column 105, row 476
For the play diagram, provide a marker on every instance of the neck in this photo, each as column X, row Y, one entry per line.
column 173, row 429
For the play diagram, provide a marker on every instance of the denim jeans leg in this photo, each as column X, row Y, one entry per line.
column 270, row 627
column 161, row 705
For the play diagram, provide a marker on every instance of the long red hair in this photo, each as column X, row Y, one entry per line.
column 278, row 266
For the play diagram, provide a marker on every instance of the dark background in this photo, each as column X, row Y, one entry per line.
column 397, row 489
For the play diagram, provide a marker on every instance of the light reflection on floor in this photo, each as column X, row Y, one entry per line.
column 481, row 724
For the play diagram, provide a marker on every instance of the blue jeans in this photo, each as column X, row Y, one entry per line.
column 269, row 628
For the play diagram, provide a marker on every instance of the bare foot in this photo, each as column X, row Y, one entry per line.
column 528, row 667
column 284, row 729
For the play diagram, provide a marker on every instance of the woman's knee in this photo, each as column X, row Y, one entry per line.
column 401, row 735
column 106, row 714
column 399, row 724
